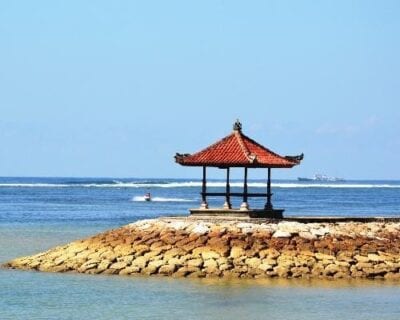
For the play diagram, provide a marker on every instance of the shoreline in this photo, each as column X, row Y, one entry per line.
column 232, row 248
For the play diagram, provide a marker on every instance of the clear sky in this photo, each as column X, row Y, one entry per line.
column 115, row 88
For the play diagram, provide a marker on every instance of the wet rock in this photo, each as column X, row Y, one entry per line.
column 331, row 269
column 129, row 270
column 298, row 272
column 153, row 267
column 184, row 271
column 392, row 276
column 119, row 265
column 167, row 269
column 282, row 271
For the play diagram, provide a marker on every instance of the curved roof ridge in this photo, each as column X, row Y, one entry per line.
column 239, row 138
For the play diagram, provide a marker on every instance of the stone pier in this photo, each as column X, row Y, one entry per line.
column 237, row 248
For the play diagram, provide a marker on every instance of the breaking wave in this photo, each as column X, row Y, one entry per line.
column 190, row 184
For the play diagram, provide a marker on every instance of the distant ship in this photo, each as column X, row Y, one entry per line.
column 321, row 178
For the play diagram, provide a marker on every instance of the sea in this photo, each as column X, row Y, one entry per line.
column 39, row 213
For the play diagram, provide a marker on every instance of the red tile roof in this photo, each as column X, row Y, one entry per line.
column 237, row 150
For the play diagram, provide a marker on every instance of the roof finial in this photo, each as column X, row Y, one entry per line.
column 237, row 126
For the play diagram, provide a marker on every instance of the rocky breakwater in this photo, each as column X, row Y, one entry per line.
column 185, row 247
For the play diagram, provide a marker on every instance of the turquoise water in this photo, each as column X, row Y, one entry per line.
column 37, row 214
column 31, row 295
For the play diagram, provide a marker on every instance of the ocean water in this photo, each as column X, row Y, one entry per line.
column 38, row 213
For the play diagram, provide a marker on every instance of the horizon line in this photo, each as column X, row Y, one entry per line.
column 170, row 178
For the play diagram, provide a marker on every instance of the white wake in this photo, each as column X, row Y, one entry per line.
column 160, row 199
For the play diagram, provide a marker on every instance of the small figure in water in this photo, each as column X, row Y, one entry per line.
column 147, row 196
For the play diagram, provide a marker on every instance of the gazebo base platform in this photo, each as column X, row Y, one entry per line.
column 252, row 213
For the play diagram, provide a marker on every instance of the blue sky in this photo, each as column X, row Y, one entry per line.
column 115, row 88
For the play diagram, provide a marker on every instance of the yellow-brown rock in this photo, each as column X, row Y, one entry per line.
column 186, row 247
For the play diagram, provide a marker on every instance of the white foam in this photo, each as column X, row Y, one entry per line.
column 197, row 184
column 222, row 184
column 160, row 199
column 34, row 185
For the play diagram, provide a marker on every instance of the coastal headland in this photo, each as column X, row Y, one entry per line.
column 236, row 248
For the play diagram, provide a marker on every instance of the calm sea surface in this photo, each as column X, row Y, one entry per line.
column 38, row 213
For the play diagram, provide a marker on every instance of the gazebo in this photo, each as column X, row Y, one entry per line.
column 237, row 150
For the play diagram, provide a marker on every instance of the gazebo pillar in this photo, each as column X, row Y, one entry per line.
column 268, row 205
column 245, row 206
column 204, row 204
column 227, row 204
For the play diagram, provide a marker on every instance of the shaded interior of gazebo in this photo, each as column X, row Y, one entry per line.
column 237, row 151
